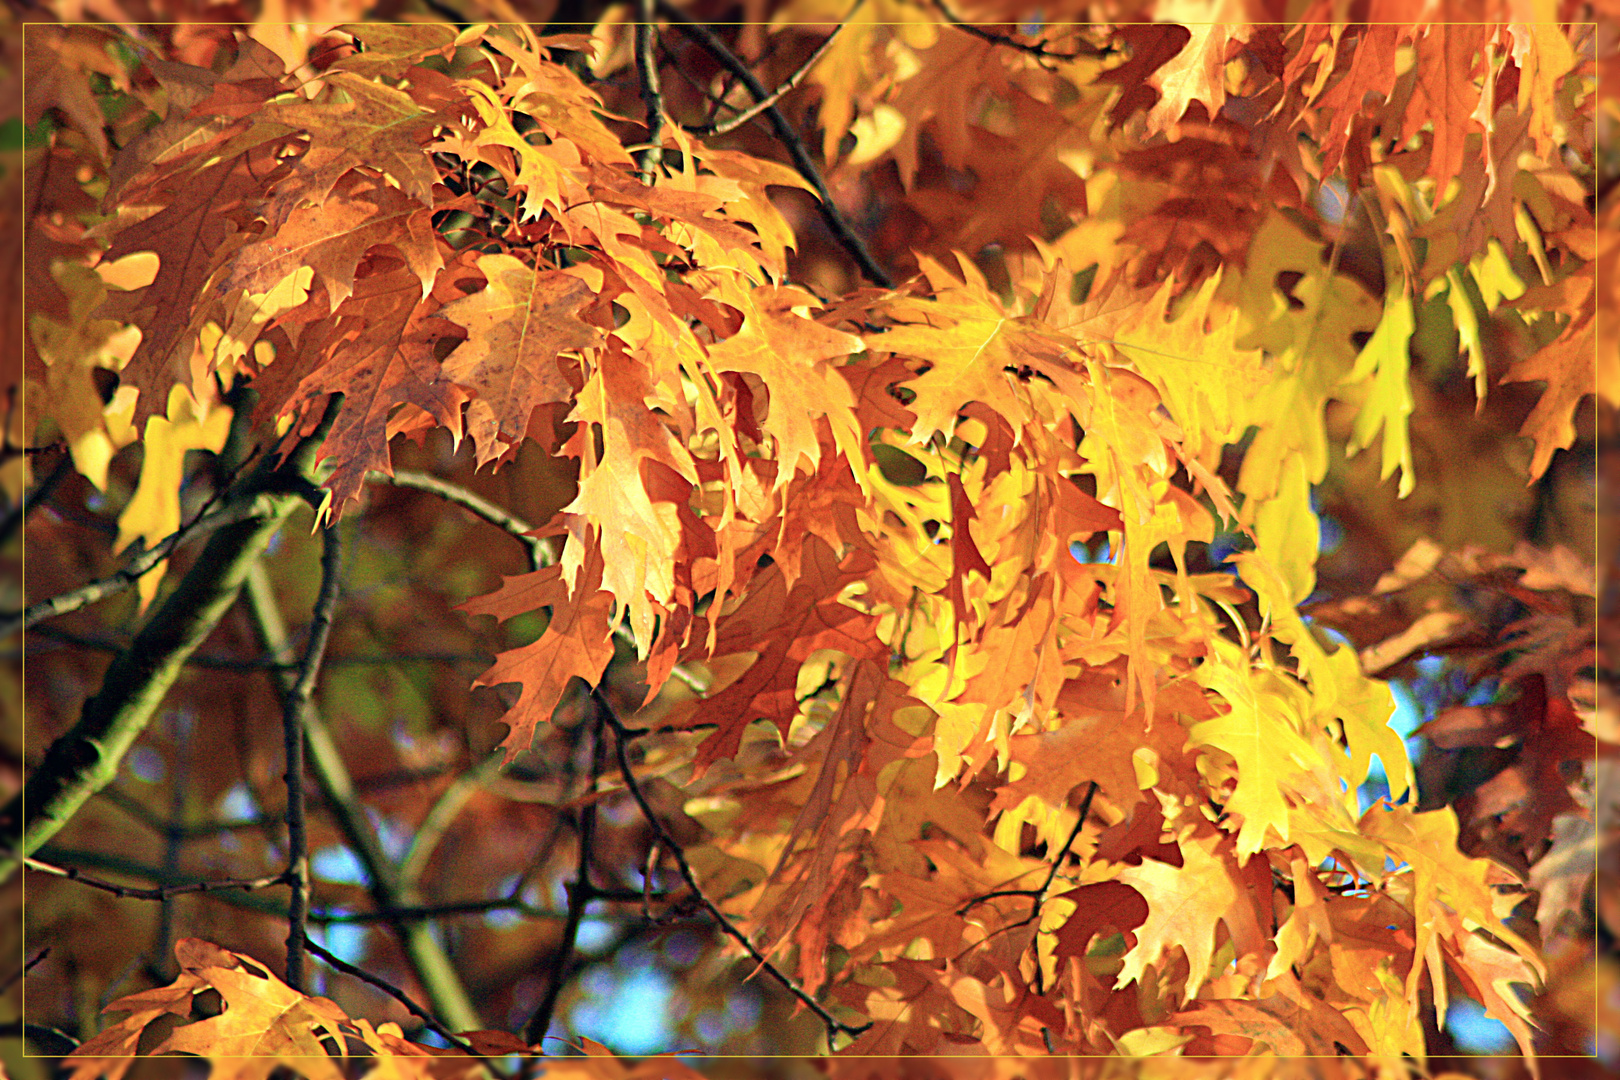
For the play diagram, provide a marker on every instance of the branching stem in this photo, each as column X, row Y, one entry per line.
column 785, row 134
column 662, row 835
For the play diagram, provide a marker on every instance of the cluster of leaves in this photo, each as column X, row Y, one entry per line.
column 885, row 712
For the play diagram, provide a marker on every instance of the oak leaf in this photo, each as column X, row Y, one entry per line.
column 379, row 354
column 1186, row 903
column 518, row 327
column 578, row 642
column 793, row 355
column 357, row 122
column 1566, row 366
column 780, row 628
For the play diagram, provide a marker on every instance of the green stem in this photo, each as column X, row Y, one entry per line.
column 86, row 759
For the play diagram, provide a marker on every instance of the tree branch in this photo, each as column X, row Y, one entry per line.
column 400, row 996
column 1038, row 895
column 785, row 134
column 423, row 950
column 1037, row 49
column 662, row 835
column 162, row 892
column 652, row 96
column 207, row 521
column 23, row 971
column 86, row 758
column 42, row 491
column 579, row 896
column 725, row 127
column 48, row 1039
column 293, row 704
column 541, row 550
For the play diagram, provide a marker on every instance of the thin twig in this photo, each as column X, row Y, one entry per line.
column 293, row 705
column 141, row 565
column 791, row 82
column 17, row 976
column 652, row 95
column 580, row 894
column 785, row 134
column 1038, row 895
column 426, row 954
column 400, row 996
column 162, row 892
column 42, row 491
column 1036, row 49
column 662, row 835
column 542, row 550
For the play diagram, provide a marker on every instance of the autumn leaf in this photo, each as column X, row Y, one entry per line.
column 359, row 212
column 577, row 643
column 391, row 49
column 380, row 354
column 794, row 355
column 1182, row 913
column 780, row 628
column 153, row 512
column 1566, row 367
column 518, row 327
column 357, row 122
column 1197, row 71
column 193, row 235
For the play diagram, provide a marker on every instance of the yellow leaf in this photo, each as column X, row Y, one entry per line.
column 1385, row 361
column 153, row 511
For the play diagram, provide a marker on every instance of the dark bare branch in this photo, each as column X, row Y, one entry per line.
column 1037, row 49
column 792, row 81
column 400, row 996
column 662, row 835
column 161, row 892
column 652, row 95
column 293, row 705
column 785, row 134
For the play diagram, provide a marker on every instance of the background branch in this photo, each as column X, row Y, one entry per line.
column 422, row 949
column 791, row 82
column 785, row 134
column 293, row 705
column 662, row 835
column 579, row 896
column 652, row 97
column 398, row 995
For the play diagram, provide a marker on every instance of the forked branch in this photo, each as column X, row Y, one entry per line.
column 662, row 835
